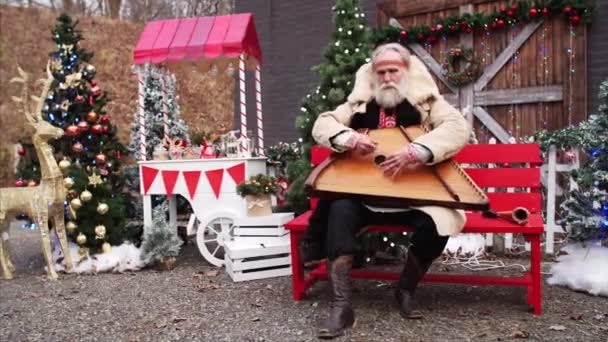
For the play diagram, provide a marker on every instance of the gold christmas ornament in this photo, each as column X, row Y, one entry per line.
column 86, row 196
column 76, row 203
column 81, row 239
column 71, row 226
column 95, row 179
column 103, row 208
column 64, row 165
column 92, row 117
column 100, row 231
column 68, row 182
column 106, row 247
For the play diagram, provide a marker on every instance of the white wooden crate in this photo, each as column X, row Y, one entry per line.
column 249, row 258
column 271, row 225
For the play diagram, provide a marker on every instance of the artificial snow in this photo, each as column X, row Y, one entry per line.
column 582, row 269
column 465, row 245
column 125, row 257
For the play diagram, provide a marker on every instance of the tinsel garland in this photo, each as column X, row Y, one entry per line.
column 521, row 12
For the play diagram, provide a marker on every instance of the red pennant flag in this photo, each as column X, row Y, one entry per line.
column 237, row 172
column 148, row 174
column 191, row 178
column 169, row 178
column 215, row 180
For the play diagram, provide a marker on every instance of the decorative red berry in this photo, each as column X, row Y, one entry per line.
column 575, row 19
column 545, row 11
column 403, row 34
column 500, row 23
column 533, row 12
column 510, row 13
column 567, row 9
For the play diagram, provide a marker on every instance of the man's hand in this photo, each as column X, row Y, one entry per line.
column 400, row 161
column 361, row 144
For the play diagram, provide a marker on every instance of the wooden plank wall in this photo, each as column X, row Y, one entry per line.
column 528, row 69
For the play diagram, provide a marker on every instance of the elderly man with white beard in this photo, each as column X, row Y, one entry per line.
column 394, row 89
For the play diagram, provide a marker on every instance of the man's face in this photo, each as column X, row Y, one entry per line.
column 388, row 70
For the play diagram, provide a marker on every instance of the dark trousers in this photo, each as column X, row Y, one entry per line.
column 337, row 222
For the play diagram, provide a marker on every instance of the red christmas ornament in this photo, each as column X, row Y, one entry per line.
column 453, row 28
column 433, row 30
column 73, row 193
column 19, row 183
column 91, row 100
column 77, row 147
column 420, row 36
column 104, row 120
column 493, row 26
column 567, row 9
column 118, row 156
column 93, row 83
column 503, row 10
column 500, row 23
column 100, row 158
column 431, row 39
column 79, row 98
column 533, row 12
column 21, row 151
column 403, row 34
column 468, row 29
column 96, row 129
column 513, row 7
column 105, row 129
column 545, row 11
column 439, row 27
column 72, row 130
column 95, row 91
column 510, row 13
column 83, row 126
column 575, row 19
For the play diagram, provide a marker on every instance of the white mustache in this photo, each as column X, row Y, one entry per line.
column 388, row 86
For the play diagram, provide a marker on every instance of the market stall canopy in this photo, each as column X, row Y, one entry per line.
column 217, row 39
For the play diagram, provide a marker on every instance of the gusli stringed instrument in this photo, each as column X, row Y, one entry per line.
column 349, row 175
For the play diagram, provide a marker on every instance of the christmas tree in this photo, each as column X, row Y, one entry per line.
column 160, row 241
column 89, row 152
column 584, row 211
column 349, row 48
column 158, row 87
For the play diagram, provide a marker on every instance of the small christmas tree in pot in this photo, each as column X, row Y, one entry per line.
column 160, row 244
column 257, row 192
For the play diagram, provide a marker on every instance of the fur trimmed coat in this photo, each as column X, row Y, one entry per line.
column 449, row 130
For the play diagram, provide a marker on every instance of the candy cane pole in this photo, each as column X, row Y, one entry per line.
column 258, row 108
column 243, row 101
column 141, row 112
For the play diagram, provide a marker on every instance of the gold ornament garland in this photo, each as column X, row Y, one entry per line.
column 469, row 73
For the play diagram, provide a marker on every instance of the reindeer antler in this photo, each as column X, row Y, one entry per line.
column 23, row 99
column 46, row 86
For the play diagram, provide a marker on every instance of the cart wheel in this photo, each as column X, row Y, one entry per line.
column 211, row 235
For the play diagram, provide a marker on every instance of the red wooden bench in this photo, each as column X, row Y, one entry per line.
column 525, row 174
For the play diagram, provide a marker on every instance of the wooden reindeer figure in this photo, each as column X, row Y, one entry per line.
column 44, row 202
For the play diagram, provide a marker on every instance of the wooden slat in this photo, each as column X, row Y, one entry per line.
column 487, row 120
column 400, row 8
column 432, row 64
column 551, row 93
column 452, row 99
column 502, row 201
column 499, row 153
column 506, row 177
column 493, row 69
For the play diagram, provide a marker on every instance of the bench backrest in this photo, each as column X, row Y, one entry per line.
column 509, row 173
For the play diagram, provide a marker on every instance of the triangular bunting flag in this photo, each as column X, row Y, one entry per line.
column 191, row 178
column 215, row 180
column 237, row 172
column 148, row 174
column 169, row 178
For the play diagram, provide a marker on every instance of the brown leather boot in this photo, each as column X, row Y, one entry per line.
column 410, row 277
column 341, row 313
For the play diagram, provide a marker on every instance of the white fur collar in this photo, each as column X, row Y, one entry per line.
column 421, row 85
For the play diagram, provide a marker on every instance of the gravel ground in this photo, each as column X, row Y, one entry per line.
column 195, row 302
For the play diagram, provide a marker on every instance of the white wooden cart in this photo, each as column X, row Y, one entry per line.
column 205, row 42
column 215, row 209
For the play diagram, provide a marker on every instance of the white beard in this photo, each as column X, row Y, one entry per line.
column 390, row 95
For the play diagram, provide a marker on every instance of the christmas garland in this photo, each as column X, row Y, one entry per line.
column 469, row 72
column 524, row 11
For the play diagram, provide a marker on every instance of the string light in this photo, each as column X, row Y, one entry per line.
column 571, row 54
